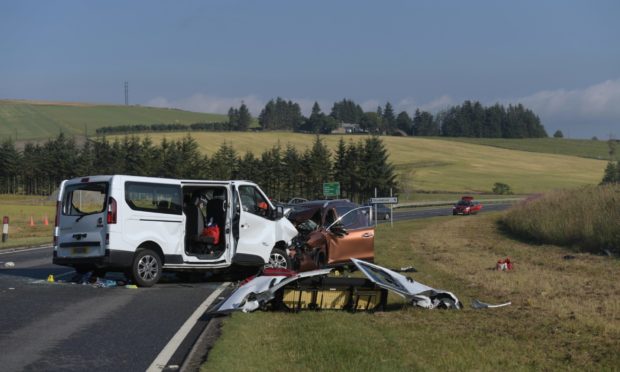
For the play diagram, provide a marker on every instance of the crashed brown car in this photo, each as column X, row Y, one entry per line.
column 331, row 232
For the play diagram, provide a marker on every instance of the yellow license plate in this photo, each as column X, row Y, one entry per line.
column 79, row 250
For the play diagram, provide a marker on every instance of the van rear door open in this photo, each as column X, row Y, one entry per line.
column 82, row 217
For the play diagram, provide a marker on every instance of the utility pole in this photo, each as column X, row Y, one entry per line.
column 126, row 93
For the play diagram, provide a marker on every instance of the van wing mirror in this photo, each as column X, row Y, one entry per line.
column 279, row 212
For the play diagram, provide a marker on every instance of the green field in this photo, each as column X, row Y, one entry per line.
column 565, row 314
column 435, row 164
column 560, row 146
column 20, row 209
column 27, row 120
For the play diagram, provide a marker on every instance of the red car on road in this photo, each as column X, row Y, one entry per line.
column 466, row 205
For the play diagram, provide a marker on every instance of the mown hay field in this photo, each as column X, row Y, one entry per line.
column 595, row 149
column 434, row 164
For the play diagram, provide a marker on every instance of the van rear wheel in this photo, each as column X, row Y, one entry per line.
column 146, row 268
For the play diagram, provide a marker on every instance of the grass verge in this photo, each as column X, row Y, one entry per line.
column 20, row 209
column 565, row 313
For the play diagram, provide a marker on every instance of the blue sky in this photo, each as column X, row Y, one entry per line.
column 559, row 58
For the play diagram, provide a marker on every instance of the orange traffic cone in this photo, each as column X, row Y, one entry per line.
column 31, row 221
column 45, row 221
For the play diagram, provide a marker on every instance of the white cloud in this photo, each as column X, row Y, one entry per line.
column 371, row 105
column 200, row 102
column 598, row 101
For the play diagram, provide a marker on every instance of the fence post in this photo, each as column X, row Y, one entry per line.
column 5, row 228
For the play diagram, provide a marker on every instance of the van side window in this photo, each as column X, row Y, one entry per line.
column 253, row 201
column 153, row 197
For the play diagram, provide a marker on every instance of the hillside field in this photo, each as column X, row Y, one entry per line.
column 434, row 164
column 561, row 146
column 29, row 120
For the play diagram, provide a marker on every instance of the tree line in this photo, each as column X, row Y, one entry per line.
column 470, row 119
column 282, row 171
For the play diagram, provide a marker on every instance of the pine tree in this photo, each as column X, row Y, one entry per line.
column 233, row 118
column 244, row 118
column 293, row 173
column 347, row 111
column 389, row 120
column 9, row 169
column 376, row 170
column 612, row 174
column 404, row 122
column 318, row 166
column 339, row 169
column 224, row 163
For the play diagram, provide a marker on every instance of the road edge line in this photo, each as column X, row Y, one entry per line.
column 166, row 353
column 23, row 249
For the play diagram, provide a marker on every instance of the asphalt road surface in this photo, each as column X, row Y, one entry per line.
column 72, row 327
column 417, row 213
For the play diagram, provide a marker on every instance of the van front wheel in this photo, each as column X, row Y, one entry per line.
column 146, row 268
column 279, row 259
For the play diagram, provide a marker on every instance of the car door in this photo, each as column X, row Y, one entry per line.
column 256, row 230
column 359, row 240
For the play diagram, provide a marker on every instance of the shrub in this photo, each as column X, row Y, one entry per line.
column 501, row 189
column 586, row 219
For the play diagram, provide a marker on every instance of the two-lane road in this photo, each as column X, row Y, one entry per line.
column 417, row 213
column 71, row 327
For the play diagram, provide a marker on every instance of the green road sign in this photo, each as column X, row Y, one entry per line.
column 331, row 189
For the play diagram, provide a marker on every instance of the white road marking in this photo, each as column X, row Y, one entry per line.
column 17, row 250
column 164, row 356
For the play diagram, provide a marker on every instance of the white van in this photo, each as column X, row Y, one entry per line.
column 143, row 225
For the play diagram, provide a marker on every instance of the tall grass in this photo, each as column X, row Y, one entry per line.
column 587, row 219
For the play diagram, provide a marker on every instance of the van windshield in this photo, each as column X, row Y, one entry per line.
column 85, row 198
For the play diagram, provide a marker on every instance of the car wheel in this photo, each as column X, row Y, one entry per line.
column 146, row 268
column 278, row 259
